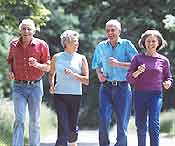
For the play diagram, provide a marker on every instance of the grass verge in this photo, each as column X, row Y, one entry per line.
column 47, row 122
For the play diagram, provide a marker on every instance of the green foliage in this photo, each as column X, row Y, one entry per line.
column 5, row 18
column 13, row 11
column 60, row 20
column 167, row 123
column 169, row 22
column 40, row 13
column 4, row 83
column 6, row 118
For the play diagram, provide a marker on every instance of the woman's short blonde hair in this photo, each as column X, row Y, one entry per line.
column 67, row 35
column 29, row 22
column 162, row 42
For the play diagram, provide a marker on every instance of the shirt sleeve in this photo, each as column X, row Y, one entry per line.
column 45, row 58
column 132, row 68
column 131, row 50
column 96, row 60
column 10, row 55
column 167, row 71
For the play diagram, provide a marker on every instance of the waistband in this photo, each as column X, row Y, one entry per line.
column 114, row 83
column 25, row 82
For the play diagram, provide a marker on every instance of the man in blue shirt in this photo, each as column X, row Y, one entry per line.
column 111, row 60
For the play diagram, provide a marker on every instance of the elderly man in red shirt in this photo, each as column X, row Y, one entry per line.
column 28, row 59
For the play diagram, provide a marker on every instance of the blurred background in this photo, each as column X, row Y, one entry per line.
column 88, row 17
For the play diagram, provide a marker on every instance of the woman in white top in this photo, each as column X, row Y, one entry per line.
column 71, row 71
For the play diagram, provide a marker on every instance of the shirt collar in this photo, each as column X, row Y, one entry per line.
column 118, row 42
column 33, row 42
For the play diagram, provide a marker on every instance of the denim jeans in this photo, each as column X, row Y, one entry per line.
column 119, row 99
column 67, row 109
column 24, row 95
column 148, row 105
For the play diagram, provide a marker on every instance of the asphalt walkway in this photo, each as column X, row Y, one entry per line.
column 90, row 138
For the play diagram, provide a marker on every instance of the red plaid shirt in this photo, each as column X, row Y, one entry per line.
column 19, row 56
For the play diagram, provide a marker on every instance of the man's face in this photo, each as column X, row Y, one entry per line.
column 27, row 31
column 112, row 32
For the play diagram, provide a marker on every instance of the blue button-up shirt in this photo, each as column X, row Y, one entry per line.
column 123, row 52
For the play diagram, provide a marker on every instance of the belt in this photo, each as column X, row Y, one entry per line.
column 26, row 82
column 114, row 83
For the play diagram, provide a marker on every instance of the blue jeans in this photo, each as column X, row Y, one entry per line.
column 22, row 95
column 119, row 99
column 67, row 109
column 148, row 104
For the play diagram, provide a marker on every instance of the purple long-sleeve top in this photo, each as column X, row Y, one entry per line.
column 157, row 70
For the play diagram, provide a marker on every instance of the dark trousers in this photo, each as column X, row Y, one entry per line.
column 67, row 109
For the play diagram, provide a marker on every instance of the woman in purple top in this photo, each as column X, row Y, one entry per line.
column 149, row 73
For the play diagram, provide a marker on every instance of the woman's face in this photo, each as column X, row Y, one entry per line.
column 151, row 43
column 72, row 43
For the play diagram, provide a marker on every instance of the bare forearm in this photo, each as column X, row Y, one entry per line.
column 83, row 79
column 51, row 79
column 52, row 72
column 44, row 67
column 124, row 65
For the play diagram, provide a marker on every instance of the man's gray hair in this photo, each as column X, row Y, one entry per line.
column 29, row 22
column 66, row 35
column 114, row 22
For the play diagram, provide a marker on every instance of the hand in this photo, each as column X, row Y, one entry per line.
column 33, row 62
column 69, row 72
column 52, row 89
column 167, row 84
column 11, row 76
column 101, row 77
column 113, row 61
column 141, row 68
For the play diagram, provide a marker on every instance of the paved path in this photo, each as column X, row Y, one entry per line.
column 90, row 138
